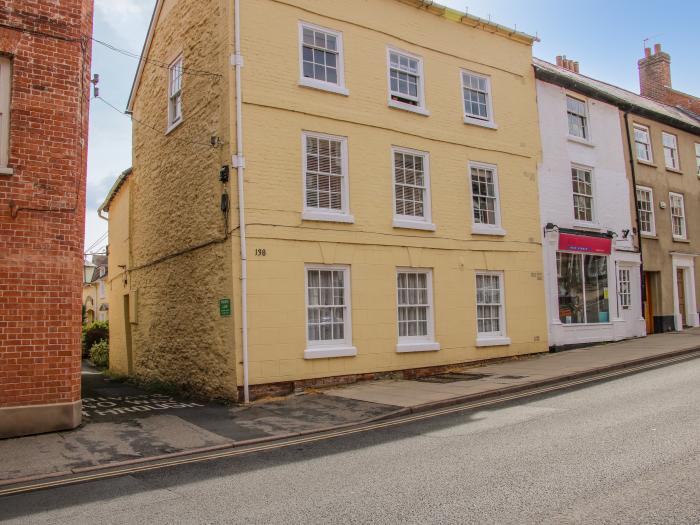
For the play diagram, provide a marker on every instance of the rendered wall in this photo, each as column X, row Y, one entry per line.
column 657, row 249
column 277, row 110
column 180, row 262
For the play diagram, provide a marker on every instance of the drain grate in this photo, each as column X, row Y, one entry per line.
column 512, row 377
column 453, row 378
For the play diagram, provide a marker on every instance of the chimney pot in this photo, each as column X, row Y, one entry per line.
column 560, row 60
column 576, row 67
column 657, row 48
column 647, row 52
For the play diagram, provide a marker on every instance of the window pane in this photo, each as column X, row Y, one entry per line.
column 596, row 272
column 570, row 284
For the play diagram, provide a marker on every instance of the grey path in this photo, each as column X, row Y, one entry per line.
column 624, row 451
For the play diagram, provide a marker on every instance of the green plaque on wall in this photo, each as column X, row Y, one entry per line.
column 225, row 307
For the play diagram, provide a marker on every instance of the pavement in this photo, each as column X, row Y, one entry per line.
column 123, row 424
column 614, row 452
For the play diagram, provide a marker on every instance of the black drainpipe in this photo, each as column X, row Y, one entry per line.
column 636, row 212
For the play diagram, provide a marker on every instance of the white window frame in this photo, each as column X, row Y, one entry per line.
column 418, row 343
column 486, row 229
column 339, row 87
column 322, row 214
column 624, row 294
column 175, row 120
column 334, row 348
column 671, row 195
column 674, row 151
column 410, row 221
column 650, row 192
column 420, row 99
column 5, row 89
column 593, row 223
column 697, row 157
column 586, row 116
column 469, row 118
column 644, row 129
column 499, row 338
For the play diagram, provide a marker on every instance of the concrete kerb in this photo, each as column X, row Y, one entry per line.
column 424, row 407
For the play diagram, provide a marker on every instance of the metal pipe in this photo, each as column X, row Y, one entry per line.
column 240, row 170
column 630, row 151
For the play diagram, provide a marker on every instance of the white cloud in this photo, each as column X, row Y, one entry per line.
column 122, row 9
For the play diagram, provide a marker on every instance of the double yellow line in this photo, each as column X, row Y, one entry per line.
column 402, row 420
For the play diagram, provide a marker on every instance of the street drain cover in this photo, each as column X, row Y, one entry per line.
column 453, row 378
column 512, row 377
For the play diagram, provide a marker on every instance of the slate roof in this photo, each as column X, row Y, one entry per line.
column 617, row 96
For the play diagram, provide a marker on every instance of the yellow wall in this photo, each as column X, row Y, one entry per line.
column 277, row 110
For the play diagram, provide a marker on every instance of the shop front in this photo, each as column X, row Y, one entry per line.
column 593, row 288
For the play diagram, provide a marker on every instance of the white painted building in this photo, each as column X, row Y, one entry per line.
column 592, row 271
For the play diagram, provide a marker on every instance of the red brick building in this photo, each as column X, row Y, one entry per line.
column 655, row 81
column 45, row 54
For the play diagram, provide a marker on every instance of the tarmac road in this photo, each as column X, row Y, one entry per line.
column 623, row 451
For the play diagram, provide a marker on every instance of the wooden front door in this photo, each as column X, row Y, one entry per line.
column 648, row 305
column 681, row 296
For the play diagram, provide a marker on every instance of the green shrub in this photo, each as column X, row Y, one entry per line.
column 93, row 333
column 99, row 354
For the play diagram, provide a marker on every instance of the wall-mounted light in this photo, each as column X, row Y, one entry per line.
column 625, row 234
column 662, row 205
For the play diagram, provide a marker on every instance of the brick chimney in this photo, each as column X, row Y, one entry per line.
column 655, row 74
column 564, row 62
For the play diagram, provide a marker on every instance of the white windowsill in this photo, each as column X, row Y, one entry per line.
column 584, row 225
column 680, row 239
column 649, row 163
column 327, row 216
column 483, row 229
column 323, row 86
column 492, row 341
column 425, row 346
column 478, row 122
column 322, row 352
column 7, row 171
column 649, row 236
column 413, row 225
column 408, row 107
column 174, row 126
column 674, row 170
column 579, row 140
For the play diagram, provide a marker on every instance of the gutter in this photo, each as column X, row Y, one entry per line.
column 636, row 209
column 238, row 162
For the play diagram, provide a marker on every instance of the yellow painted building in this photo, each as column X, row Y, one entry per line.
column 389, row 155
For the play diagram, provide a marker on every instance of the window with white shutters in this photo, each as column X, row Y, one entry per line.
column 321, row 58
column 578, row 118
column 406, row 81
column 325, row 177
column 411, row 189
column 642, row 143
column 671, row 151
column 476, row 91
column 582, row 182
column 175, row 72
column 677, row 216
column 486, row 214
column 645, row 205
column 5, row 86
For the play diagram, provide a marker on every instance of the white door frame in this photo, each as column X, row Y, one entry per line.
column 685, row 262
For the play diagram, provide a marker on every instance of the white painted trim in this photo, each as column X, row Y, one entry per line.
column 469, row 118
column 492, row 341
column 335, row 345
column 642, row 127
column 677, row 168
column 502, row 334
column 172, row 123
column 594, row 224
column 683, row 237
column 410, row 221
column 5, row 114
column 330, row 351
column 320, row 84
column 686, row 262
column 652, row 233
column 421, row 108
column 425, row 343
column 323, row 214
column 584, row 100
column 403, row 348
column 486, row 229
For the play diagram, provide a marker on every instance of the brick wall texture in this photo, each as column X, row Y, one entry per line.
column 42, row 204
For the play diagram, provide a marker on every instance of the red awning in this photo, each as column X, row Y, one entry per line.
column 585, row 243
